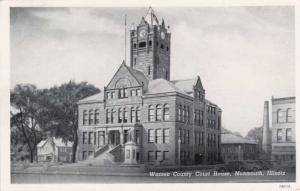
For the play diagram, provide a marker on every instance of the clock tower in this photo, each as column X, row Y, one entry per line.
column 150, row 47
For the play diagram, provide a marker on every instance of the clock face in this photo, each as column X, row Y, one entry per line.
column 162, row 35
column 142, row 33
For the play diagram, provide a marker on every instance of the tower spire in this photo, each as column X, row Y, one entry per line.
column 151, row 18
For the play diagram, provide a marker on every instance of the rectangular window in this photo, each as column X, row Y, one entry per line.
column 91, row 153
column 139, row 92
column 134, row 45
column 91, row 137
column 125, row 116
column 288, row 135
column 137, row 136
column 158, row 137
column 182, row 136
column 150, row 43
column 166, row 155
column 151, row 114
column 202, row 118
column 188, row 136
column 166, row 135
column 84, row 155
column 142, row 44
column 120, row 116
column 133, row 115
column 84, row 137
column 97, row 117
column 108, row 115
column 279, row 135
column 113, row 95
column 85, row 117
column 158, row 156
column 158, row 113
column 150, row 156
column 138, row 115
column 151, row 136
column 133, row 93
column 112, row 118
column 101, row 138
column 126, row 136
column 188, row 114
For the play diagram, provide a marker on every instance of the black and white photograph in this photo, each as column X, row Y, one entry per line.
column 152, row 94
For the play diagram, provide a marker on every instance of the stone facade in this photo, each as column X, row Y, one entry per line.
column 143, row 117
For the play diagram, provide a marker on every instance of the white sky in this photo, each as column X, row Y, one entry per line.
column 244, row 55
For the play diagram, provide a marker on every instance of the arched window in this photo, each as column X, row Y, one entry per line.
column 85, row 117
column 166, row 112
column 289, row 115
column 158, row 113
column 133, row 115
column 119, row 115
column 151, row 113
column 138, row 114
column 125, row 115
column 179, row 112
column 97, row 116
column 280, row 117
column 91, row 117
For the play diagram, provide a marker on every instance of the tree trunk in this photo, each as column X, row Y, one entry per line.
column 74, row 148
column 31, row 155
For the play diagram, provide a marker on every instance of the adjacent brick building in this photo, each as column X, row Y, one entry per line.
column 143, row 117
column 279, row 140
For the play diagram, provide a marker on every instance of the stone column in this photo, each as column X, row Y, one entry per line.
column 106, row 137
column 121, row 137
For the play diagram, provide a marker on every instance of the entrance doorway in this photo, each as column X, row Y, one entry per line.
column 114, row 137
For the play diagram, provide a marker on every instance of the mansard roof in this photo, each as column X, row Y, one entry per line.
column 229, row 138
column 94, row 98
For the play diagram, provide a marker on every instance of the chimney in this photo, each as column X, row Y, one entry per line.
column 266, row 142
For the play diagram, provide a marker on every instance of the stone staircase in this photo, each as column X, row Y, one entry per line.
column 106, row 155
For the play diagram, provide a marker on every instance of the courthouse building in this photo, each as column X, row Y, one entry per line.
column 141, row 116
